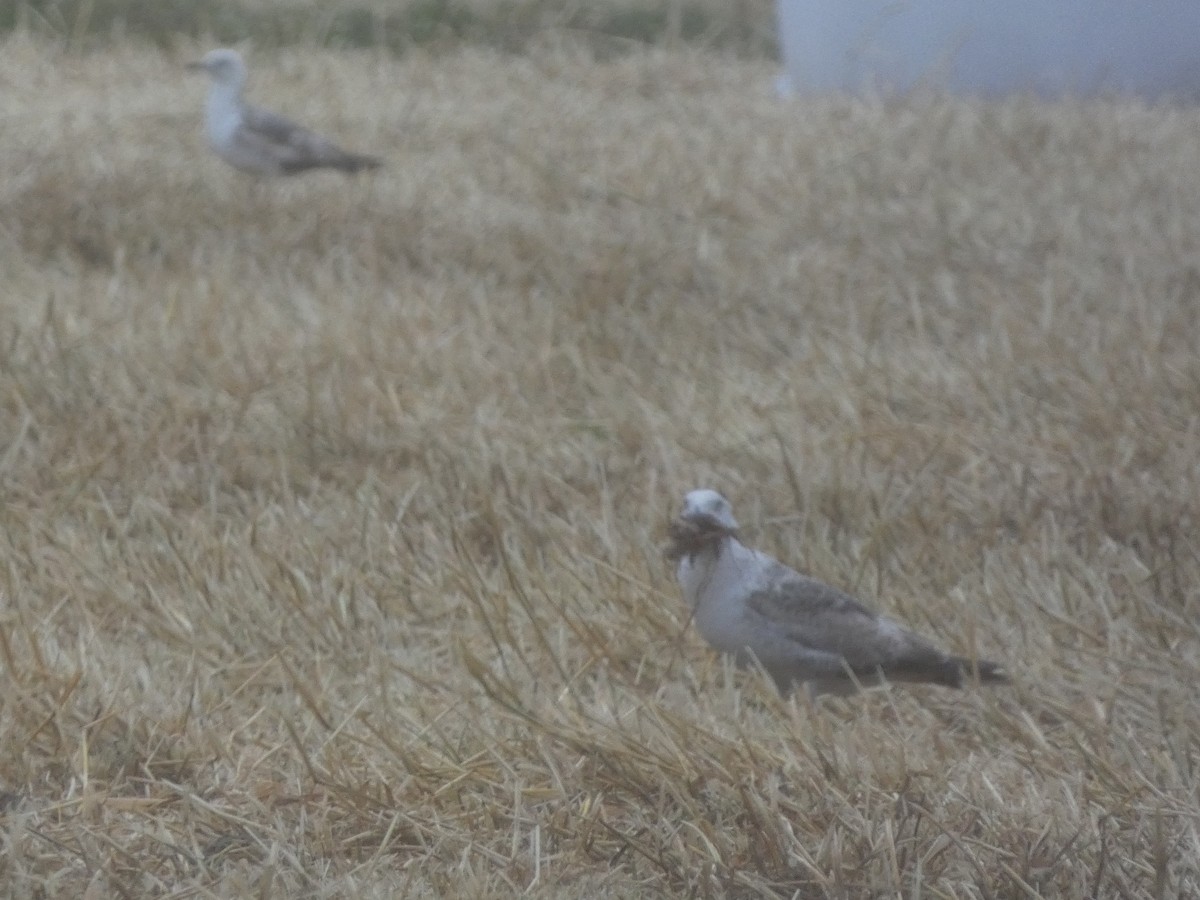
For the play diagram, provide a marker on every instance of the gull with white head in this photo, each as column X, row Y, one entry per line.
column 256, row 140
column 800, row 630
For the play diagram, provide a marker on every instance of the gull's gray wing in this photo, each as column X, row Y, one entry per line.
column 292, row 148
column 813, row 622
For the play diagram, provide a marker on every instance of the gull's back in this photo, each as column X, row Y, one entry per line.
column 291, row 148
column 818, row 619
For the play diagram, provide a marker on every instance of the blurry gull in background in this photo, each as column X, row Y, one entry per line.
column 259, row 141
column 798, row 629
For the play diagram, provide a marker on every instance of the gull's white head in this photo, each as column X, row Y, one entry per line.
column 704, row 524
column 224, row 67
column 707, row 507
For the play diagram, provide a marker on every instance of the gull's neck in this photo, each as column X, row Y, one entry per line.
column 223, row 110
column 697, row 569
column 715, row 546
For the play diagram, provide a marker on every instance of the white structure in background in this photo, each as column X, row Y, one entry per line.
column 1052, row 47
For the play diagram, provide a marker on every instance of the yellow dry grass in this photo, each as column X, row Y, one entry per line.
column 331, row 509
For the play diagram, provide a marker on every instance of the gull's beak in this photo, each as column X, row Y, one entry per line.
column 691, row 531
column 702, row 523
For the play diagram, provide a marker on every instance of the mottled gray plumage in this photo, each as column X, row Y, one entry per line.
column 256, row 140
column 797, row 628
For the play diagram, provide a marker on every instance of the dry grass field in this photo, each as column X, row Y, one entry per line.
column 743, row 27
column 332, row 510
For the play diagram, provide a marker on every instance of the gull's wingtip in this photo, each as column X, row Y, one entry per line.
column 356, row 163
column 349, row 163
column 985, row 671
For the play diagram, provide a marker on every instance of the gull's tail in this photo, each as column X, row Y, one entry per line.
column 355, row 162
column 934, row 667
column 330, row 159
column 985, row 671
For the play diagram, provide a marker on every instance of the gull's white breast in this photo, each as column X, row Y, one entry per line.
column 223, row 116
column 716, row 585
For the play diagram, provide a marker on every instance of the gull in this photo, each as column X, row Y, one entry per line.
column 800, row 630
column 257, row 140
